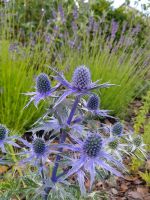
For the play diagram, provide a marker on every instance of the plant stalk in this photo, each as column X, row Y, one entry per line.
column 62, row 140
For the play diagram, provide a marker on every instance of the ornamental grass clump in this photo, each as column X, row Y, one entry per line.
column 68, row 145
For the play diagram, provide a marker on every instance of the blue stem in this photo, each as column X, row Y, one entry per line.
column 62, row 140
column 54, row 172
column 73, row 110
column 42, row 171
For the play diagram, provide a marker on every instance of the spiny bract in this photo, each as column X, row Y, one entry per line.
column 81, row 78
column 92, row 145
column 43, row 83
column 93, row 102
column 117, row 129
column 3, row 132
column 39, row 146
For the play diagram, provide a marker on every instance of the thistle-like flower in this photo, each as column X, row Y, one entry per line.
column 116, row 148
column 81, row 83
column 43, row 89
column 38, row 152
column 117, row 129
column 136, row 143
column 81, row 78
column 114, row 131
column 5, row 139
column 93, row 105
column 91, row 154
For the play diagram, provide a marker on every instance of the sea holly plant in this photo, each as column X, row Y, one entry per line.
column 6, row 139
column 68, row 145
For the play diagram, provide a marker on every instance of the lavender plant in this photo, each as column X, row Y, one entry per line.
column 68, row 145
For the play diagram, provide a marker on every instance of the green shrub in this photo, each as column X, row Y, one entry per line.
column 142, row 120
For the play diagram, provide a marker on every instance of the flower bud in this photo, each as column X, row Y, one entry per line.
column 3, row 132
column 93, row 102
column 137, row 141
column 43, row 83
column 117, row 129
column 113, row 145
column 39, row 146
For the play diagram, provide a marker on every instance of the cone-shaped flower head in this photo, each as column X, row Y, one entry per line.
column 81, row 78
column 113, row 145
column 93, row 105
column 92, row 154
column 137, row 141
column 5, row 139
column 39, row 150
column 39, row 146
column 3, row 132
column 43, row 83
column 93, row 102
column 80, row 85
column 92, row 145
column 43, row 89
column 117, row 129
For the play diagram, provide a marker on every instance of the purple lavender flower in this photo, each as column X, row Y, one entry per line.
column 47, row 38
column 79, row 46
column 81, row 83
column 136, row 30
column 38, row 152
column 95, row 27
column 74, row 27
column 5, row 139
column 92, row 154
column 14, row 47
column 75, row 13
column 43, row 89
column 56, row 29
column 90, row 24
column 61, row 12
column 93, row 104
column 71, row 43
column 114, row 29
column 124, row 27
column 54, row 14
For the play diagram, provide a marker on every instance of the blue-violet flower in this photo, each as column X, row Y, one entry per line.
column 43, row 89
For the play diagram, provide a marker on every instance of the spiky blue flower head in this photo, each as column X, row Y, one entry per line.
column 81, row 78
column 92, row 155
column 39, row 146
column 117, row 129
column 5, row 139
column 3, row 132
column 93, row 102
column 80, row 85
column 43, row 90
column 92, row 145
column 43, row 85
column 39, row 150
